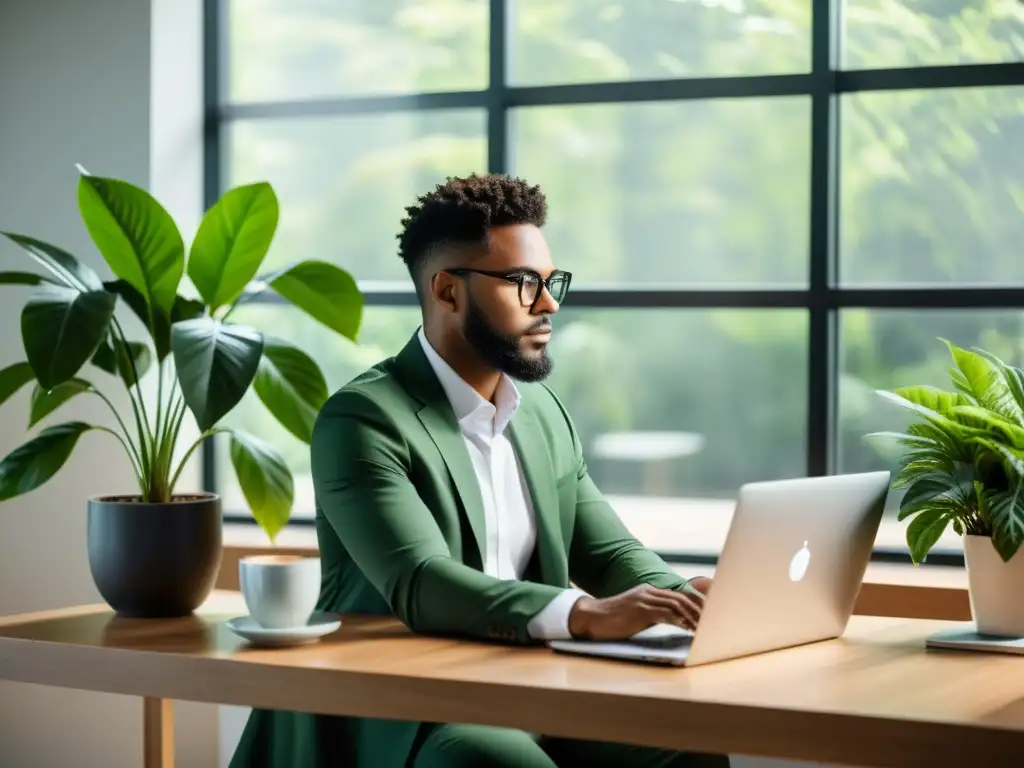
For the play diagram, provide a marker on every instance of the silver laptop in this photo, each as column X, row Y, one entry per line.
column 789, row 573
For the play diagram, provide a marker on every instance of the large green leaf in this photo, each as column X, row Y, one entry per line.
column 44, row 403
column 265, row 481
column 232, row 241
column 325, row 292
column 949, row 437
column 13, row 378
column 183, row 309
column 983, row 379
column 920, row 399
column 136, row 235
column 1013, row 379
column 1007, row 430
column 215, row 363
column 932, row 398
column 924, row 530
column 1012, row 458
column 61, row 329
column 68, row 270
column 35, row 462
column 1005, row 510
column 906, row 440
column 291, row 385
column 926, row 489
column 113, row 357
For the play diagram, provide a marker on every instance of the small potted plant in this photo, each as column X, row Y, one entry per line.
column 962, row 465
column 154, row 551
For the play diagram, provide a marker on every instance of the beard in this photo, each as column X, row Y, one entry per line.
column 503, row 350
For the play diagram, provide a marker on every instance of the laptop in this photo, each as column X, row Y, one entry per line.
column 789, row 574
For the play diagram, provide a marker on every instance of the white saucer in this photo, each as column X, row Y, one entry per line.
column 319, row 624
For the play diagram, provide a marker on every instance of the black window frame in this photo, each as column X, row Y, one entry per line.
column 823, row 298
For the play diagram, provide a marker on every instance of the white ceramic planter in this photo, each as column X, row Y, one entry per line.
column 996, row 588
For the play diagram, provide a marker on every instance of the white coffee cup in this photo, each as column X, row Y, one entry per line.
column 280, row 591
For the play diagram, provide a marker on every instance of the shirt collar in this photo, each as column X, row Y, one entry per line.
column 475, row 415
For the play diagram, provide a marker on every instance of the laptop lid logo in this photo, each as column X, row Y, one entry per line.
column 798, row 565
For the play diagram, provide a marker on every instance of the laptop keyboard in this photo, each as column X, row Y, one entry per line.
column 662, row 641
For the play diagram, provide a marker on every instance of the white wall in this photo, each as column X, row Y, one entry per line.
column 75, row 87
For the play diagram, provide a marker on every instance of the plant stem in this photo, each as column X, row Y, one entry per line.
column 129, row 445
column 188, row 454
column 142, row 485
column 159, row 399
column 138, row 383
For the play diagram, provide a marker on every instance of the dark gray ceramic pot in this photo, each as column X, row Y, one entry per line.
column 155, row 560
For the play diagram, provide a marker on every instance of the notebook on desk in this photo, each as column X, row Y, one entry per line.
column 968, row 639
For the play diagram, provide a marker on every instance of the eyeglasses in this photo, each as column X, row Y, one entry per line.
column 529, row 282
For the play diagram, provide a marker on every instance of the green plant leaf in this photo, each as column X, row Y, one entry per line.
column 215, row 363
column 61, row 329
column 924, row 530
column 25, row 278
column 949, row 437
column 183, row 309
column 931, row 398
column 925, row 490
column 1013, row 379
column 233, row 239
column 136, row 235
column 13, row 378
column 1012, row 458
column 993, row 422
column 982, row 378
column 68, row 270
column 120, row 362
column 30, row 465
column 291, row 386
column 44, row 403
column 325, row 292
column 1005, row 510
column 265, row 481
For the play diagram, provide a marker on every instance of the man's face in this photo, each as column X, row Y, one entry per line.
column 503, row 332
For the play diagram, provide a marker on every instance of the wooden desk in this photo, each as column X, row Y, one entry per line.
column 873, row 698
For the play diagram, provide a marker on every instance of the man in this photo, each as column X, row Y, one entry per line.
column 459, row 500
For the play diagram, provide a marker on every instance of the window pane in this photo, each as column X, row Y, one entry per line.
column 303, row 49
column 668, row 437
column 580, row 41
column 884, row 349
column 931, row 32
column 933, row 187
column 688, row 193
column 344, row 182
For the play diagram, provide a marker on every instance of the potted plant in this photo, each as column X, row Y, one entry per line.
column 155, row 551
column 962, row 465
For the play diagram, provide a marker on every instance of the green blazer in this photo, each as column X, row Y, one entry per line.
column 400, row 525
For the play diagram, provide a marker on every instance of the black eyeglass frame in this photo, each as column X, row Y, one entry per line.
column 515, row 276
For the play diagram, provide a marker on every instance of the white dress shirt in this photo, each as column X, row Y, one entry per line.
column 509, row 522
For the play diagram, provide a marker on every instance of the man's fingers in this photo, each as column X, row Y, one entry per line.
column 681, row 611
column 686, row 602
column 665, row 614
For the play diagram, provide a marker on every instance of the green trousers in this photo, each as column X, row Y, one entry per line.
column 484, row 746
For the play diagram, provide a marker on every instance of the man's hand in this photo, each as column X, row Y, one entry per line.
column 619, row 617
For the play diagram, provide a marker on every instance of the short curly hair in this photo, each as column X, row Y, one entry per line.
column 462, row 210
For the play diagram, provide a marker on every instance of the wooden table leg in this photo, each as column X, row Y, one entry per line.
column 158, row 732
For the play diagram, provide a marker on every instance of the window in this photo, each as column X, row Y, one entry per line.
column 771, row 209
